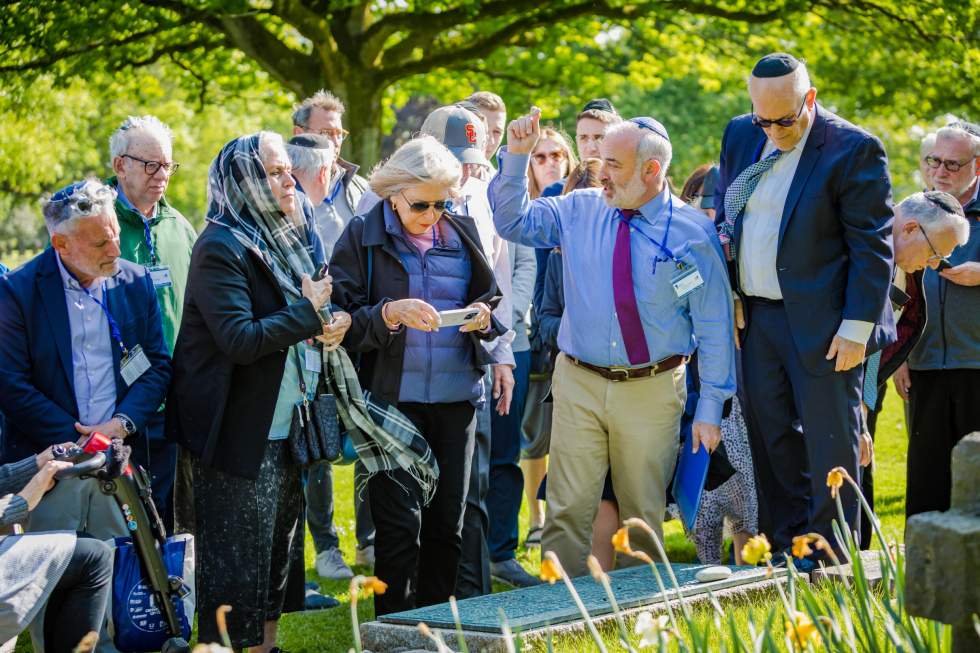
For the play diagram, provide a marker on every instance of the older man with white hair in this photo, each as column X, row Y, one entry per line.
column 942, row 378
column 153, row 233
column 83, row 351
column 644, row 284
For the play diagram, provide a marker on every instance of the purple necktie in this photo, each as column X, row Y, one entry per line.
column 624, row 294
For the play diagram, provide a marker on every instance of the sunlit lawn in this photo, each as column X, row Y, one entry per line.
column 330, row 630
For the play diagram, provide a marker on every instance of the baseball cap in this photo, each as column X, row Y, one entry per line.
column 461, row 131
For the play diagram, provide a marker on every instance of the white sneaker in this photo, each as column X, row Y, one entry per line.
column 365, row 556
column 330, row 564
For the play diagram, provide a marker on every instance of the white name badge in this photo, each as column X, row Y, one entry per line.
column 133, row 365
column 686, row 280
column 160, row 275
column 314, row 363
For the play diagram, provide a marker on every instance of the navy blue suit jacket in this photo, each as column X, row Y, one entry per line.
column 37, row 394
column 834, row 258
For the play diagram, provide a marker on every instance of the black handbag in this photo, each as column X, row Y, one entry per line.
column 326, row 422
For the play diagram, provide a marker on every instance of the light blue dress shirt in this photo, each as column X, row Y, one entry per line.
column 91, row 351
column 585, row 227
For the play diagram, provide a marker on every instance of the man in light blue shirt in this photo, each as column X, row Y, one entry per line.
column 645, row 284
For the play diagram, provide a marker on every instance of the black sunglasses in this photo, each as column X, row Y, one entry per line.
column 765, row 123
column 422, row 207
column 152, row 167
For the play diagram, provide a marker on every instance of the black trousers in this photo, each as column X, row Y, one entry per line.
column 944, row 405
column 417, row 548
column 800, row 427
column 79, row 602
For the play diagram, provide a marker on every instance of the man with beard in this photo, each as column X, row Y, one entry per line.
column 644, row 282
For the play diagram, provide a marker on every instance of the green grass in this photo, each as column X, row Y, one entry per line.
column 330, row 630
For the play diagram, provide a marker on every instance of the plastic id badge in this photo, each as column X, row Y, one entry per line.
column 160, row 275
column 133, row 365
column 686, row 279
column 314, row 363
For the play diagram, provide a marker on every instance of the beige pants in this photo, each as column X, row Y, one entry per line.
column 631, row 427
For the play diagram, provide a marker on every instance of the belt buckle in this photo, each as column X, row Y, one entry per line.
column 619, row 370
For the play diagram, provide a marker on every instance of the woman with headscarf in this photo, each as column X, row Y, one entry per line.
column 397, row 269
column 247, row 355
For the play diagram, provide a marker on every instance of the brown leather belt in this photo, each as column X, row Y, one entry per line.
column 630, row 373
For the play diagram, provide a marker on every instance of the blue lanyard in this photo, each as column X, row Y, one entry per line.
column 661, row 246
column 335, row 193
column 148, row 237
column 113, row 325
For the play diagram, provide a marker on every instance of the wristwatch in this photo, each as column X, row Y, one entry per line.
column 128, row 425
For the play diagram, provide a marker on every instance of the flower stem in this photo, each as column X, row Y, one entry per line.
column 578, row 602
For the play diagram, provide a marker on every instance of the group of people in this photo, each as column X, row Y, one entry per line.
column 609, row 322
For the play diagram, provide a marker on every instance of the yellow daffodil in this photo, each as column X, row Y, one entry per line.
column 650, row 628
column 621, row 541
column 801, row 631
column 835, row 479
column 801, row 546
column 757, row 550
column 374, row 585
column 549, row 571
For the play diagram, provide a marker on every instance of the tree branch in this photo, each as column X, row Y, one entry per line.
column 293, row 69
column 54, row 57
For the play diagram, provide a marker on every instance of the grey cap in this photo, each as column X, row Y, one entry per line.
column 461, row 131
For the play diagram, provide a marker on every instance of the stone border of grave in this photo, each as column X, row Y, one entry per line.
column 396, row 638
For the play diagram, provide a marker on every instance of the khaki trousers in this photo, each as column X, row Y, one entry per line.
column 631, row 427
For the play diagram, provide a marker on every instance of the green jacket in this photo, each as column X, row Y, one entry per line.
column 173, row 238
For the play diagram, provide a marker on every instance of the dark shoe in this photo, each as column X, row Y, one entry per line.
column 533, row 539
column 512, row 573
column 316, row 601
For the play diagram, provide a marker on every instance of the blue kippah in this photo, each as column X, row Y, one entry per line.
column 65, row 193
column 651, row 124
column 775, row 64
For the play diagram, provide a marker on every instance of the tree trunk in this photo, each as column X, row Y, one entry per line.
column 363, row 120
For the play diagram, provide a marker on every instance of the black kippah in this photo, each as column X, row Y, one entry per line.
column 945, row 201
column 776, row 64
column 315, row 141
column 599, row 104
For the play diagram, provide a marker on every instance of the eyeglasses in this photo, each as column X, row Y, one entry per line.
column 84, row 198
column 936, row 256
column 765, row 123
column 335, row 134
column 152, row 167
column 541, row 158
column 422, row 207
column 952, row 166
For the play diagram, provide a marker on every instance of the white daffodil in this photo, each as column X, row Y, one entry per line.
column 649, row 628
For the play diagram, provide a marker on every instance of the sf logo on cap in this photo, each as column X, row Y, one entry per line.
column 470, row 132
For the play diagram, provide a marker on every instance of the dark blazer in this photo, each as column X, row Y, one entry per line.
column 37, row 382
column 231, row 353
column 382, row 350
column 834, row 258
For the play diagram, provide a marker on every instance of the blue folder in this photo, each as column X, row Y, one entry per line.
column 692, row 470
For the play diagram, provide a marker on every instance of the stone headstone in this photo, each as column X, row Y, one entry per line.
column 942, row 575
column 870, row 562
column 534, row 611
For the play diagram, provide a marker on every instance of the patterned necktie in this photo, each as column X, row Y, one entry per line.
column 737, row 196
column 624, row 295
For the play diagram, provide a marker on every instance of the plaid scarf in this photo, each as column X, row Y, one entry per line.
column 240, row 198
column 383, row 437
